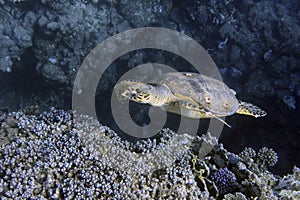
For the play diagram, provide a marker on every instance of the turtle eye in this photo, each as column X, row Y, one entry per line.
column 226, row 105
column 138, row 90
column 207, row 99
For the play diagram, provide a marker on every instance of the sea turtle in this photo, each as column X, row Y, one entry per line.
column 189, row 94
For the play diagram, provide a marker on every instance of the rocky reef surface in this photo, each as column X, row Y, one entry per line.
column 50, row 155
column 254, row 43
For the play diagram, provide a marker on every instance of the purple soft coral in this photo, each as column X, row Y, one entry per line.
column 224, row 180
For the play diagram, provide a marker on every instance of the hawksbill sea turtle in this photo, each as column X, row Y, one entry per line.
column 189, row 94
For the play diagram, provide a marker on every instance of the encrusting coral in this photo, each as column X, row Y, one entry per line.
column 51, row 155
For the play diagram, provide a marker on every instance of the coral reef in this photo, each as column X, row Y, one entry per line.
column 16, row 34
column 268, row 157
column 62, row 155
column 248, row 154
column 289, row 186
column 224, row 180
column 265, row 157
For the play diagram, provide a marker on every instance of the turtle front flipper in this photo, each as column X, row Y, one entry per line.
column 185, row 108
column 189, row 109
column 250, row 109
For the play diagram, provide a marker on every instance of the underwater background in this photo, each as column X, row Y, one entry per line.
column 255, row 44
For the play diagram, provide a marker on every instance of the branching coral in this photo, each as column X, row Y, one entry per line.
column 51, row 155
column 225, row 180
column 54, row 156
column 267, row 157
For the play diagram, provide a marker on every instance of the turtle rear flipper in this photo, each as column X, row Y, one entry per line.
column 250, row 109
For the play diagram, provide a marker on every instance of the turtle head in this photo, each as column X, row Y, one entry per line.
column 142, row 92
column 133, row 90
